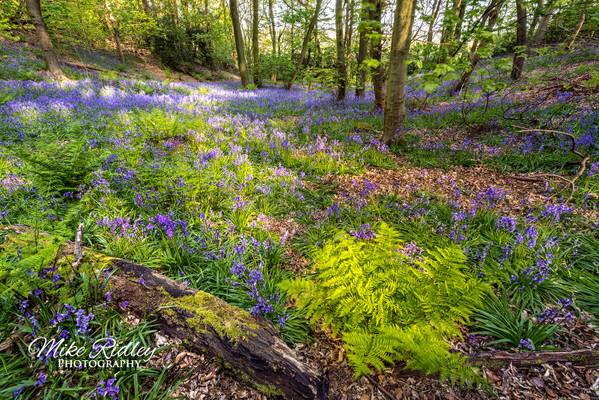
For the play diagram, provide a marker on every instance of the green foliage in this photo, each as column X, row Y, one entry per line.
column 509, row 325
column 390, row 307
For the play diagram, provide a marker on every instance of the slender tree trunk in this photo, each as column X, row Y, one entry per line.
column 362, row 49
column 273, row 37
column 349, row 33
column 476, row 46
column 457, row 33
column 395, row 104
column 43, row 39
column 539, row 34
column 239, row 45
column 376, row 53
column 255, row 44
column 113, row 26
column 535, row 18
column 572, row 39
column 431, row 26
column 520, row 49
column 305, row 43
column 341, row 67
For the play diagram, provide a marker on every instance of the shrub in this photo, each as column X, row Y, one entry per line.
column 391, row 302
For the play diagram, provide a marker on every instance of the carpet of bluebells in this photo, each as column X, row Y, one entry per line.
column 182, row 176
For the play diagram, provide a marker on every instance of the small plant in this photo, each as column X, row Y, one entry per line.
column 512, row 326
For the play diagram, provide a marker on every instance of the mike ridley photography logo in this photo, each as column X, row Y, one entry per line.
column 102, row 353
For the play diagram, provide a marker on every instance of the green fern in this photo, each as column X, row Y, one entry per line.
column 388, row 307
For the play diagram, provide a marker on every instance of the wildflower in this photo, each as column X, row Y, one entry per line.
column 123, row 304
column 555, row 211
column 41, row 379
column 532, row 235
column 107, row 389
column 506, row 222
column 411, row 250
column 365, row 232
column 527, row 344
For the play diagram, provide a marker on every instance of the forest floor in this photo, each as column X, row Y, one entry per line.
column 283, row 163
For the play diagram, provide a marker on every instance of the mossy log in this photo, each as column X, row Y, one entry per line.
column 207, row 324
column 499, row 359
column 249, row 347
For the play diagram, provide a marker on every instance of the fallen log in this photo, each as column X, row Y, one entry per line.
column 498, row 359
column 249, row 347
column 206, row 324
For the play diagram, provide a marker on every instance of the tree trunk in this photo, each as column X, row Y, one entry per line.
column 113, row 26
column 431, row 26
column 341, row 67
column 570, row 42
column 44, row 41
column 239, row 45
column 305, row 43
column 376, row 53
column 273, row 36
column 395, row 103
column 255, row 44
column 491, row 18
column 535, row 18
column 539, row 34
column 362, row 49
column 520, row 49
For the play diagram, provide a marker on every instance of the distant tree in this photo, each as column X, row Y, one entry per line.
column 488, row 20
column 305, row 43
column 273, row 35
column 44, row 40
column 433, row 19
column 239, row 45
column 113, row 26
column 540, row 23
column 376, row 54
column 363, row 30
column 255, row 43
column 340, row 45
column 570, row 43
column 520, row 49
column 395, row 103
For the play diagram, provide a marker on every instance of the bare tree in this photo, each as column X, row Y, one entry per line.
column 43, row 39
column 239, row 45
column 305, row 43
column 520, row 49
column 255, row 43
column 340, row 44
column 395, row 104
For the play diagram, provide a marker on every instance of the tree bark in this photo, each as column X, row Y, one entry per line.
column 305, row 43
column 376, row 53
column 340, row 45
column 395, row 104
column 239, row 45
column 44, row 41
column 362, row 49
column 255, row 43
column 535, row 18
column 572, row 39
column 520, row 49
